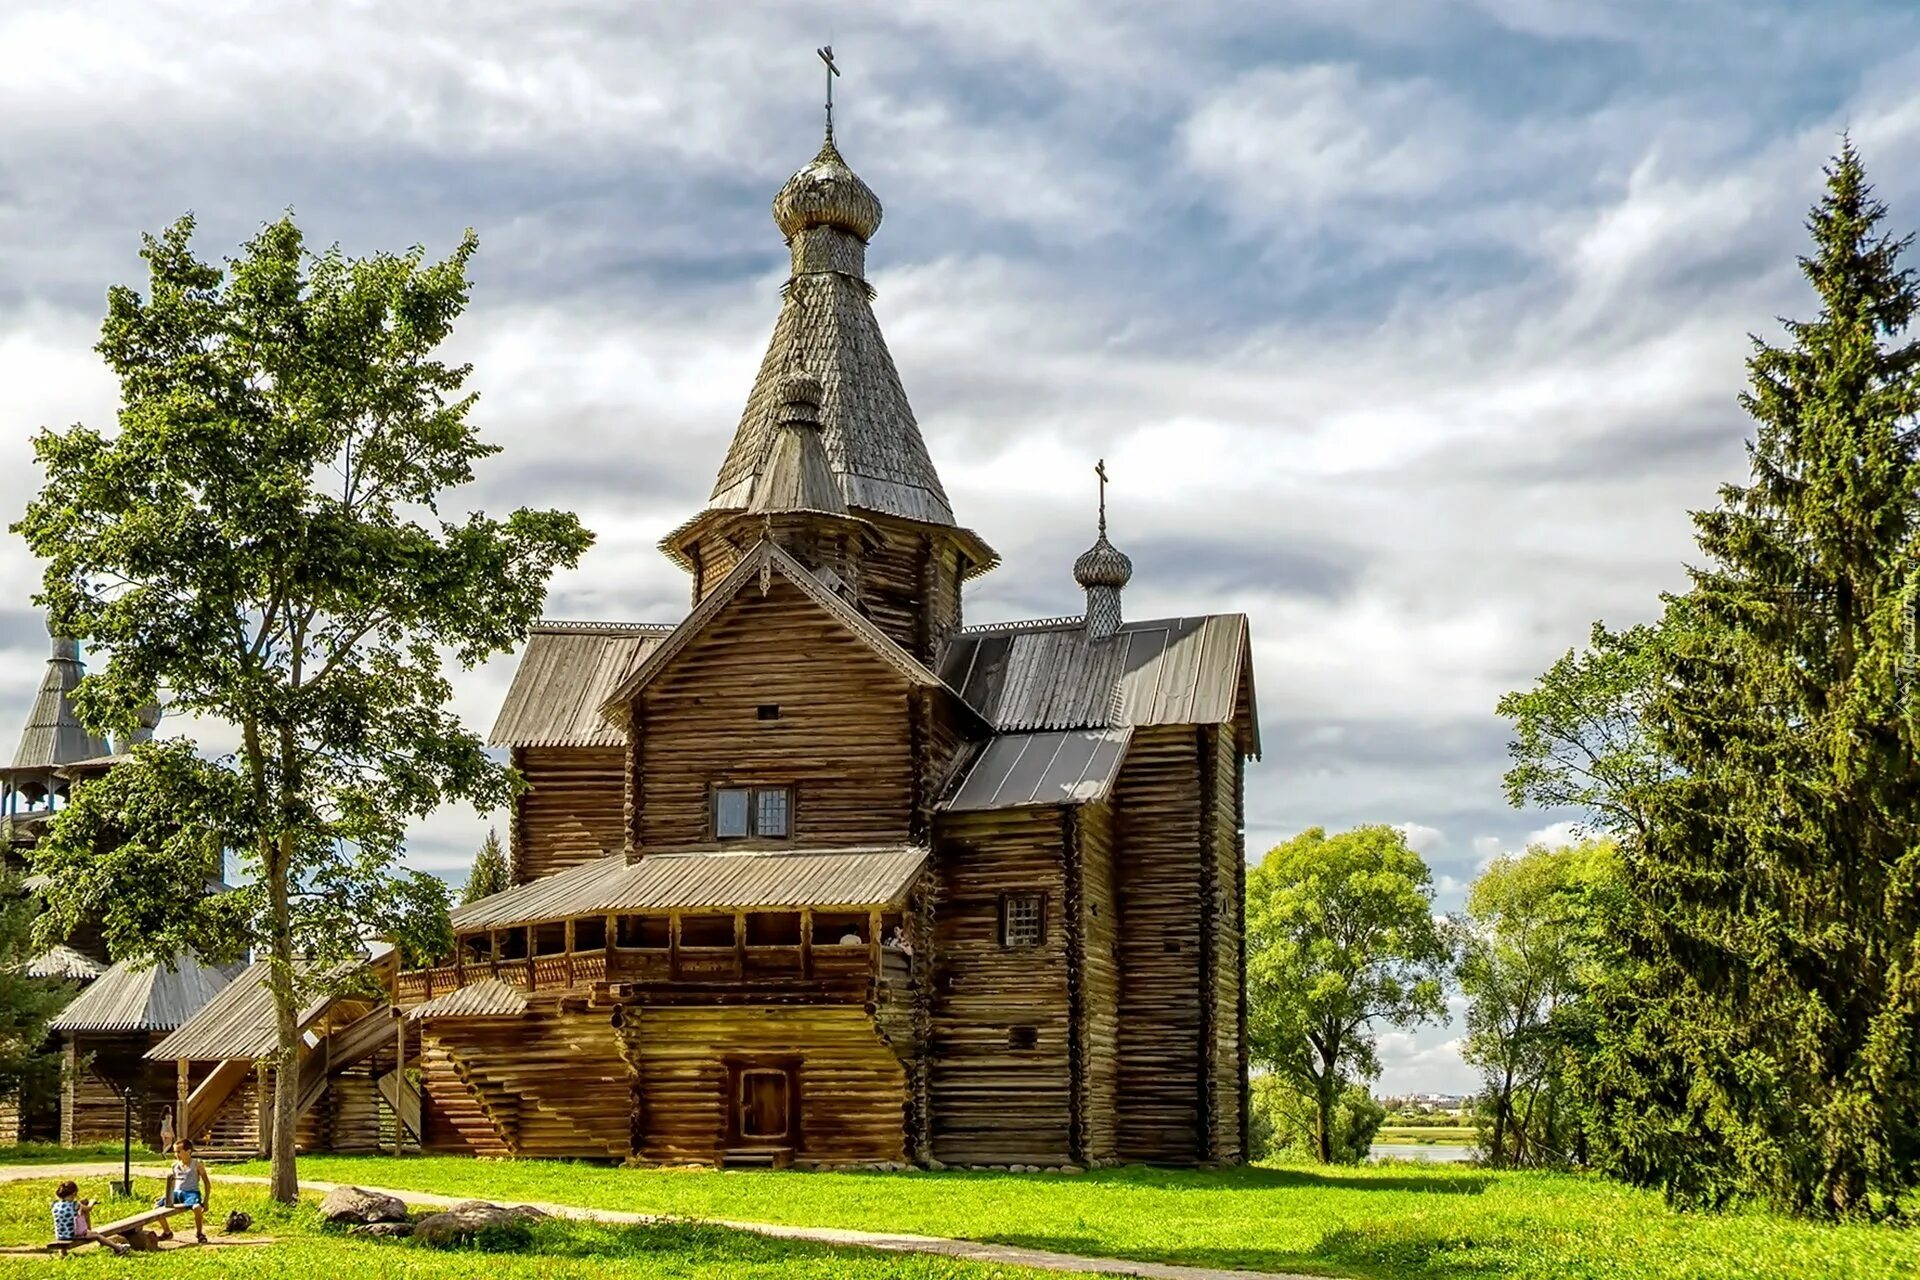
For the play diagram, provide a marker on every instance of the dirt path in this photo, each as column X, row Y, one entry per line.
column 971, row 1250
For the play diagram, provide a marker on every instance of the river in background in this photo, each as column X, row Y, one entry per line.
column 1434, row 1152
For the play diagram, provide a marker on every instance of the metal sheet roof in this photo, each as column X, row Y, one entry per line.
column 1052, row 675
column 488, row 998
column 567, row 671
column 238, row 1022
column 710, row 880
column 156, row 999
column 1065, row 766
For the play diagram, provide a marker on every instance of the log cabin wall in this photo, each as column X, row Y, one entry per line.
column 1160, row 811
column 1223, row 934
column 1100, row 985
column 842, row 739
column 549, row 1084
column 572, row 811
column 93, row 1065
column 852, row 1088
column 1001, row 1079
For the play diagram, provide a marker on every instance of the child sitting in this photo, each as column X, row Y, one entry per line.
column 189, row 1185
column 73, row 1219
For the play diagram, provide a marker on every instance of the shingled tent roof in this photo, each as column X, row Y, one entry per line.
column 567, row 671
column 1027, row 677
column 53, row 735
column 826, row 329
column 155, row 999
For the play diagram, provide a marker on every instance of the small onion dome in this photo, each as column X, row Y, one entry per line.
column 1103, row 565
column 799, row 398
column 827, row 194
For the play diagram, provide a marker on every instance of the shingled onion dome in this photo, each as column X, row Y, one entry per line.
column 826, row 193
column 1103, row 569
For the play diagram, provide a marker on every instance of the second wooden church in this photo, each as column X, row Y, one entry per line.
column 819, row 875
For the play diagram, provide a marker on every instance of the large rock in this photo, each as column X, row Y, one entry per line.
column 468, row 1219
column 352, row 1204
column 382, row 1230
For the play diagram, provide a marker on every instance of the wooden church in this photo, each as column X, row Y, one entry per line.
column 822, row 876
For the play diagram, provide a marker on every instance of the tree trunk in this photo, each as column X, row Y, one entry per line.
column 1502, row 1100
column 284, row 1184
column 1324, row 1098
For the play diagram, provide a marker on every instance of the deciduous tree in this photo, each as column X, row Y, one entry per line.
column 1340, row 940
column 260, row 543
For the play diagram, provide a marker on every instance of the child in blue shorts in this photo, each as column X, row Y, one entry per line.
column 189, row 1185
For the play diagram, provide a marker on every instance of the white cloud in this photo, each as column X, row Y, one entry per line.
column 1421, row 838
column 1556, row 835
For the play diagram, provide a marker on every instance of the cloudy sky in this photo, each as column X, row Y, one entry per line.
column 1411, row 328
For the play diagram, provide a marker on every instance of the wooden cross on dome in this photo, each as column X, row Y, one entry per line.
column 826, row 55
column 1100, row 469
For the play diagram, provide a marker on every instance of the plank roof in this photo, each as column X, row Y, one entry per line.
column 487, row 998
column 155, row 999
column 238, row 1022
column 1031, row 677
column 1061, row 766
column 65, row 962
column 53, row 735
column 729, row 880
column 566, row 672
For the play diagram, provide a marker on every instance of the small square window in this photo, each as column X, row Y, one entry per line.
column 1022, row 920
column 770, row 812
column 1023, row 1037
column 769, row 711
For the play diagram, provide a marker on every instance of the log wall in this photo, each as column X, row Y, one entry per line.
column 572, row 810
column 1225, row 891
column 1100, row 985
column 94, row 1067
column 992, row 1102
column 1160, row 816
column 843, row 739
column 852, row 1088
column 550, row 1084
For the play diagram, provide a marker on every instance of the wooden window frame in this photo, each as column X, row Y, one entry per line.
column 1039, row 938
column 752, row 790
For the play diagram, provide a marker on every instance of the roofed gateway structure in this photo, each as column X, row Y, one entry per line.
column 819, row 876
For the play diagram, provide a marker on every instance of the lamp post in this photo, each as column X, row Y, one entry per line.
column 124, row 1187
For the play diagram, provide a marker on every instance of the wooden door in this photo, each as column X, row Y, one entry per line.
column 763, row 1106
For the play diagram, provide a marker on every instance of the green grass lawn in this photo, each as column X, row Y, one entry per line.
column 302, row 1250
column 53, row 1153
column 1384, row 1222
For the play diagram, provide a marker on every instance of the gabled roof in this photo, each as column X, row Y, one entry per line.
column 65, row 962
column 156, row 999
column 767, row 557
column 1065, row 766
column 567, row 671
column 1025, row 677
column 53, row 735
column 758, row 879
column 238, row 1022
column 487, row 998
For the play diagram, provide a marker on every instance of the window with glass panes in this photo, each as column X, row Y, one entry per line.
column 742, row 812
column 1022, row 919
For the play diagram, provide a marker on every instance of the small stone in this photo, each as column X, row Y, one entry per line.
column 354, row 1205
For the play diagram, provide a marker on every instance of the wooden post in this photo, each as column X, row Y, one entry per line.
column 183, row 1089
column 806, row 943
column 740, row 945
column 459, row 959
column 873, row 940
column 673, row 946
column 569, row 932
column 533, row 970
column 399, row 1080
column 493, row 951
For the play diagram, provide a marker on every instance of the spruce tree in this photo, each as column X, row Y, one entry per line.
column 1763, row 1036
column 489, row 875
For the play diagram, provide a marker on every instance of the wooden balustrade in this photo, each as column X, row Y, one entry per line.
column 716, row 965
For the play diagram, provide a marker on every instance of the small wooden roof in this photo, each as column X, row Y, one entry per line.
column 155, row 999
column 487, row 998
column 65, row 962
column 784, row 879
column 1026, row 677
column 53, row 735
column 567, row 671
column 238, row 1022
column 1068, row 766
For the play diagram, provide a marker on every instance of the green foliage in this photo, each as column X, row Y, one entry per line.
column 489, row 875
column 1758, row 1029
column 259, row 542
column 1527, row 947
column 1286, row 1121
column 1580, row 734
column 1340, row 939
